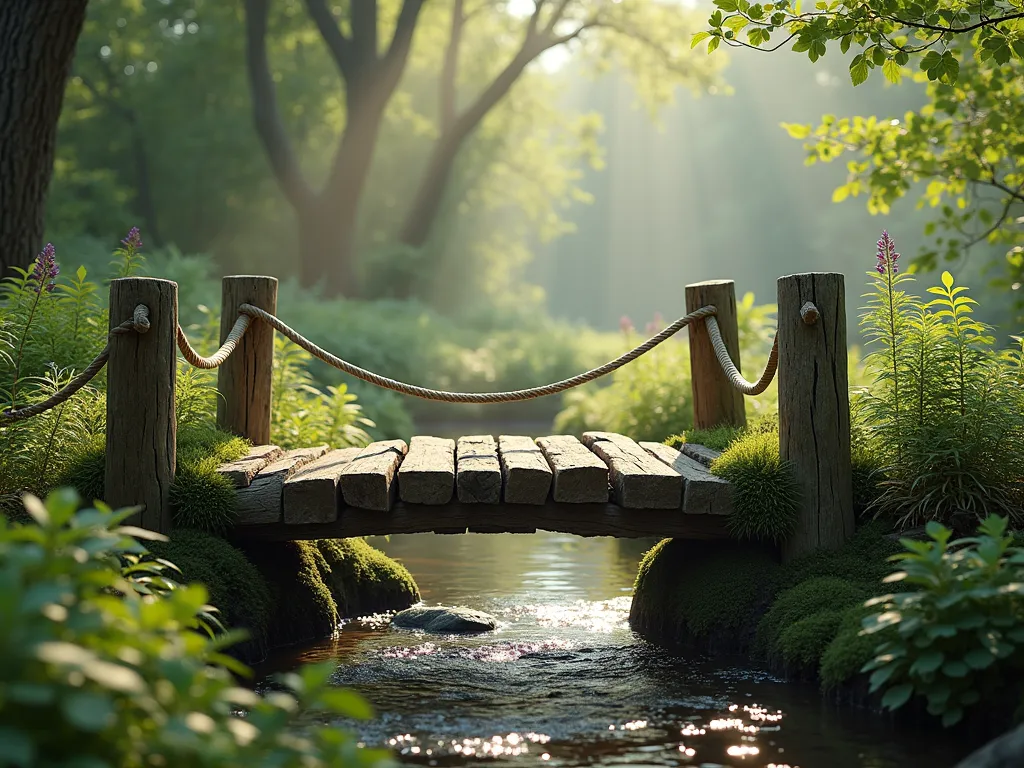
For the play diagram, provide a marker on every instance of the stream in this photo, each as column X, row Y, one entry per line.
column 564, row 682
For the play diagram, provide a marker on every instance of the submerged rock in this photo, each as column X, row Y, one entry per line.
column 444, row 620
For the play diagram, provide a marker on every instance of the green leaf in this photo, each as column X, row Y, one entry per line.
column 927, row 662
column 897, row 696
column 891, row 70
column 859, row 71
column 713, row 44
column 952, row 717
column 698, row 39
column 955, row 669
column 88, row 711
column 16, row 747
column 797, row 131
column 346, row 702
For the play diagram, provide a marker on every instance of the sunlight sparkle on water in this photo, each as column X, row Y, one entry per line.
column 592, row 615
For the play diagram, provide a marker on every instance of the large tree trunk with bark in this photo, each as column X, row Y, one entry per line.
column 326, row 248
column 37, row 46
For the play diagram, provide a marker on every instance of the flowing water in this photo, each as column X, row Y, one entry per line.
column 565, row 682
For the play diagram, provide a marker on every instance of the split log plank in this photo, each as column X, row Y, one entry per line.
column 261, row 502
column 580, row 477
column 478, row 473
column 524, row 470
column 241, row 472
column 311, row 494
column 427, row 475
column 638, row 480
column 368, row 481
column 703, row 492
column 700, row 453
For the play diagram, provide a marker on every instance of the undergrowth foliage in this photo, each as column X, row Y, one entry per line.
column 945, row 414
column 106, row 661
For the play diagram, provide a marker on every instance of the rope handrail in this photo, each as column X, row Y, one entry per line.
column 193, row 358
column 729, row 368
column 138, row 324
column 704, row 313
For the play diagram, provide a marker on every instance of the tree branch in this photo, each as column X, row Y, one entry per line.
column 339, row 45
column 953, row 30
column 398, row 51
column 556, row 16
column 449, row 70
column 364, row 29
column 271, row 130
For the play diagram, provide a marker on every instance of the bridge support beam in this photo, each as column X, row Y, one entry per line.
column 814, row 407
column 245, row 378
column 141, row 428
column 716, row 402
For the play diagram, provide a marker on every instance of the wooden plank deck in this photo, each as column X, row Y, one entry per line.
column 514, row 484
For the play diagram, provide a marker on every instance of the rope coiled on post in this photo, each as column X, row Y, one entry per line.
column 474, row 397
column 138, row 324
column 217, row 358
column 729, row 368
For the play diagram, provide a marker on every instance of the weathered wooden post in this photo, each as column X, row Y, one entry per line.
column 814, row 407
column 141, row 429
column 245, row 378
column 715, row 401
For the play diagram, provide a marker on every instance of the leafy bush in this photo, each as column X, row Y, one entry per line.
column 959, row 634
column 945, row 414
column 651, row 398
column 765, row 494
column 102, row 664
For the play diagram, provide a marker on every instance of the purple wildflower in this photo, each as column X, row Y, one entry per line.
column 134, row 240
column 625, row 324
column 656, row 324
column 45, row 270
column 886, row 256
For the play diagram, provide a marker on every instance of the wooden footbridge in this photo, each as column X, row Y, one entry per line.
column 604, row 485
column 597, row 484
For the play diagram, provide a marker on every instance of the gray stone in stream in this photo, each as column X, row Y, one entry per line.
column 441, row 620
column 1005, row 752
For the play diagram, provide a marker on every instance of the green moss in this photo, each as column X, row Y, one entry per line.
column 364, row 580
column 849, row 650
column 864, row 559
column 801, row 644
column 303, row 606
column 235, row 585
column 765, row 494
column 702, row 594
column 806, row 599
column 717, row 439
column 200, row 497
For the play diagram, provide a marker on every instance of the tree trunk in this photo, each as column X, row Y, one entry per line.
column 420, row 219
column 327, row 245
column 37, row 46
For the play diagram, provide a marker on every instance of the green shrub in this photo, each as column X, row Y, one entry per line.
column 717, row 439
column 701, row 593
column 815, row 595
column 801, row 645
column 850, row 649
column 959, row 629
column 862, row 560
column 945, row 413
column 364, row 580
column 109, row 665
column 233, row 582
column 765, row 494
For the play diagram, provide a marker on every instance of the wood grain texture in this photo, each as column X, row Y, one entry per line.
column 715, row 400
column 578, row 519
column 700, row 453
column 580, row 477
column 427, row 474
column 368, row 481
column 245, row 378
column 703, row 493
column 814, row 409
column 477, row 471
column 311, row 494
column 262, row 501
column 638, row 480
column 241, row 472
column 524, row 470
column 141, row 428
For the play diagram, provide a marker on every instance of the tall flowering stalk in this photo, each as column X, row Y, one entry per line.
column 41, row 281
column 129, row 256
